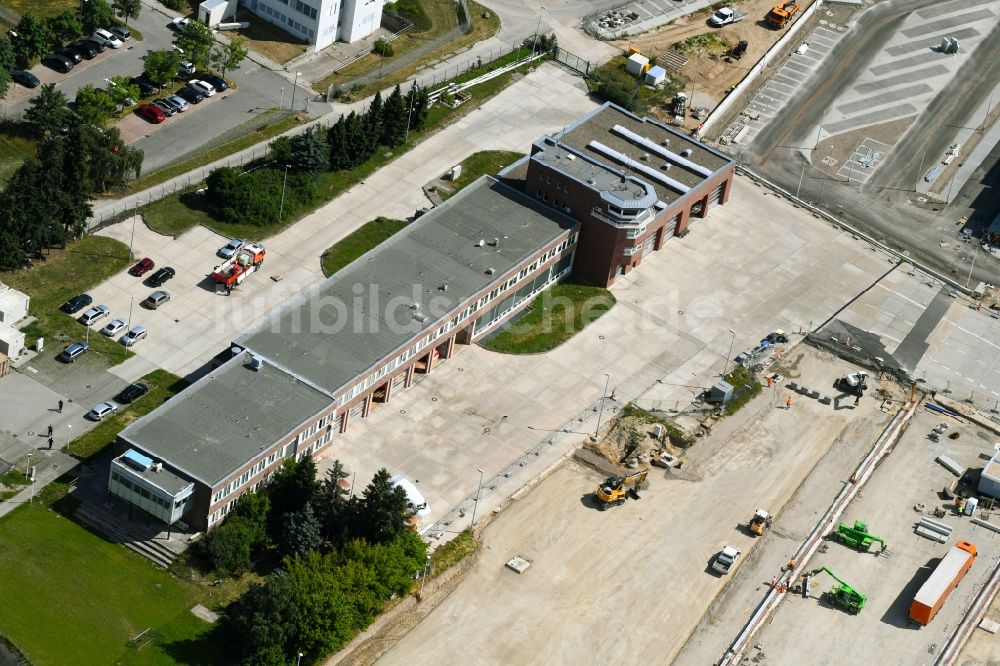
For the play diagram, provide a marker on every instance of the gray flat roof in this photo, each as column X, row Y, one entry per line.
column 164, row 479
column 338, row 330
column 599, row 126
column 213, row 427
column 615, row 183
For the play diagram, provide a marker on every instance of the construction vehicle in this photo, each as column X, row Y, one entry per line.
column 247, row 259
column 761, row 521
column 739, row 50
column 615, row 489
column 842, row 595
column 782, row 14
column 858, row 537
column 933, row 593
column 855, row 383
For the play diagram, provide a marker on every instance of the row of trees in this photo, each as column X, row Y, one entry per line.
column 343, row 557
column 259, row 195
column 47, row 200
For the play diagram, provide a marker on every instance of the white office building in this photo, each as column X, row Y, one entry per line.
column 321, row 22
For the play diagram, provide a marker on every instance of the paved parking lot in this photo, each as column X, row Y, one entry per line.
column 637, row 17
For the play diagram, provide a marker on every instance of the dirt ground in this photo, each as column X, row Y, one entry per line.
column 630, row 584
column 713, row 76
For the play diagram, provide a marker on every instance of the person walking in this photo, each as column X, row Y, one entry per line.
column 788, row 403
column 60, row 406
column 50, row 442
column 50, row 431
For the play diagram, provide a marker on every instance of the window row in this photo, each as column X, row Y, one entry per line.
column 141, row 491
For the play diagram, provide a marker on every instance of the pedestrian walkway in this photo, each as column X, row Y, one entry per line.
column 48, row 468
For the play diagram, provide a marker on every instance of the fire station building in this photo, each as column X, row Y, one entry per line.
column 592, row 201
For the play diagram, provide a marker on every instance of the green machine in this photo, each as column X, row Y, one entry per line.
column 843, row 595
column 858, row 537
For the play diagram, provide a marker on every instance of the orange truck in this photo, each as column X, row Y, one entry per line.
column 245, row 261
column 783, row 13
column 933, row 593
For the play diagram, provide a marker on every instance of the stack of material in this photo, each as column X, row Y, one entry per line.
column 933, row 530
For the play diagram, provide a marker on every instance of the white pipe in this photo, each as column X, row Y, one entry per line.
column 661, row 151
column 632, row 164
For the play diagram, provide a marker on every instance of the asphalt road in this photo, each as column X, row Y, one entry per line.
column 886, row 206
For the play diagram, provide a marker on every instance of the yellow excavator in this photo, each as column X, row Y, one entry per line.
column 615, row 489
column 761, row 521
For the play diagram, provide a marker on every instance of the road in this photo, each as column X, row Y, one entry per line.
column 887, row 204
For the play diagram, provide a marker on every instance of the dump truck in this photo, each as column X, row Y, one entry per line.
column 782, row 13
column 245, row 261
column 842, row 595
column 949, row 571
column 761, row 521
column 858, row 536
column 614, row 489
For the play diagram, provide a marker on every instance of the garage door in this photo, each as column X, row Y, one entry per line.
column 717, row 195
column 648, row 246
column 356, row 413
column 398, row 382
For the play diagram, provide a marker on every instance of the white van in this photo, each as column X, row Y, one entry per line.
column 105, row 38
column 418, row 505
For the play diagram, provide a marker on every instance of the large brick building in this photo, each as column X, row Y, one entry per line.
column 313, row 369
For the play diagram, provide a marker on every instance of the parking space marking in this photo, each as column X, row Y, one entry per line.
column 884, row 98
column 931, row 42
column 906, row 77
column 950, row 22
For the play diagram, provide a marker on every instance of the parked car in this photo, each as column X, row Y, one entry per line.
column 725, row 16
column 176, row 102
column 60, row 63
column 725, row 560
column 121, row 33
column 94, row 314
column 133, row 336
column 216, row 82
column 85, row 48
column 97, row 46
column 156, row 299
column 71, row 54
column 186, row 70
column 102, row 36
column 142, row 267
column 150, row 113
column 73, row 352
column 207, row 89
column 113, row 327
column 131, row 393
column 26, row 79
column 190, row 94
column 164, row 108
column 159, row 277
column 179, row 22
column 146, row 88
column 102, row 410
column 229, row 249
column 77, row 303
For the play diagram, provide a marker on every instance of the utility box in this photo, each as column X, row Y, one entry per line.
column 989, row 481
column 13, row 305
column 455, row 172
column 11, row 341
column 655, row 76
column 637, row 64
column 721, row 393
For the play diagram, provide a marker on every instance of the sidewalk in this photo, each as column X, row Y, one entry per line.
column 50, row 468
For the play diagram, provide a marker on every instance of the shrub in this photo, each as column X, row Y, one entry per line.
column 383, row 48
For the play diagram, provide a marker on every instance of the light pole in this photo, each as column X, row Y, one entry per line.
column 600, row 414
column 968, row 280
column 292, row 105
column 478, row 493
column 730, row 354
column 130, row 306
column 534, row 42
column 409, row 114
column 427, row 568
column 281, row 104
column 281, row 211
column 69, row 433
column 299, row 662
column 826, row 173
column 801, row 177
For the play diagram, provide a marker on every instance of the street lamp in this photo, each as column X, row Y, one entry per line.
column 281, row 104
column 427, row 568
column 69, row 433
column 299, row 662
column 284, row 181
column 600, row 414
column 478, row 493
column 730, row 354
column 297, row 75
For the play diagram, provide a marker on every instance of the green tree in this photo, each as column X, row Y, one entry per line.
column 227, row 57
column 228, row 547
column 333, row 504
column 94, row 106
column 394, row 118
column 382, row 48
column 161, row 67
column 253, row 509
column 122, row 91
column 373, row 121
column 196, row 40
column 310, row 152
column 292, row 487
column 30, row 40
column 63, row 28
column 96, row 14
column 383, row 511
column 6, row 64
column 74, row 192
column 127, row 9
column 300, row 532
column 111, row 164
column 48, row 111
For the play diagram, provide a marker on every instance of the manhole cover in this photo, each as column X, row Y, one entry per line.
column 87, row 386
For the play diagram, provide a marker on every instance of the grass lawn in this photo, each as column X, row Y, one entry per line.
column 43, row 8
column 359, row 242
column 175, row 214
column 554, row 317
column 269, row 40
column 62, row 274
column 443, row 17
column 71, row 597
column 610, row 81
column 452, row 552
column 162, row 385
column 745, row 388
column 248, row 134
column 16, row 145
column 479, row 164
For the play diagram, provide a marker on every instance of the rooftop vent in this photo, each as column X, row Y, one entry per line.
column 665, row 142
column 686, row 152
column 645, row 157
column 157, row 467
column 571, row 157
column 490, row 270
column 494, row 242
column 481, row 243
column 666, row 166
column 256, row 363
column 419, row 317
column 444, row 286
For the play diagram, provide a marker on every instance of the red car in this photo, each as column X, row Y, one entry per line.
column 151, row 113
column 143, row 267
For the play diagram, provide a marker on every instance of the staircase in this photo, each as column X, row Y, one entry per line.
column 117, row 531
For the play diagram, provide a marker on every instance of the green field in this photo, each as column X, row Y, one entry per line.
column 16, row 145
column 480, row 164
column 556, row 315
column 70, row 597
column 357, row 243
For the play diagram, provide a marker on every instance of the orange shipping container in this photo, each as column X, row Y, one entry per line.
column 933, row 593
